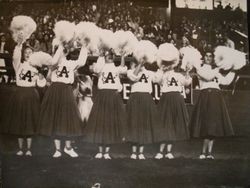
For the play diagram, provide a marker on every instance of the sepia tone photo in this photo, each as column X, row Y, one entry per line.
column 124, row 93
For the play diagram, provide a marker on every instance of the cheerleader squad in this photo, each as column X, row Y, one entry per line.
column 66, row 113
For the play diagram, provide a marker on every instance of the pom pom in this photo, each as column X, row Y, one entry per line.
column 87, row 34
column 167, row 52
column 38, row 59
column 227, row 58
column 64, row 31
column 22, row 27
column 126, row 42
column 191, row 58
column 145, row 51
column 106, row 40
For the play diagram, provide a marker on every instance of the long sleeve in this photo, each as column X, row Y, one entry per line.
column 132, row 76
column 207, row 73
column 157, row 76
column 57, row 55
column 226, row 80
column 98, row 66
column 82, row 58
column 17, row 54
column 185, row 80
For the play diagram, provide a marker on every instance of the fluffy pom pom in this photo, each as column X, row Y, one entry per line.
column 38, row 59
column 64, row 31
column 191, row 58
column 227, row 58
column 145, row 51
column 126, row 42
column 22, row 26
column 169, row 53
column 106, row 40
column 87, row 34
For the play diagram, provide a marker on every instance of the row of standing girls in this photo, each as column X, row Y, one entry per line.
column 141, row 123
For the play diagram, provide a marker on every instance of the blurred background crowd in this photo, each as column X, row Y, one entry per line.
column 185, row 27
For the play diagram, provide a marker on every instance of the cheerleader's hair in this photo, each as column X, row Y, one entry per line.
column 145, row 51
column 125, row 42
column 191, row 58
column 39, row 59
column 64, row 31
column 229, row 59
column 22, row 27
column 168, row 55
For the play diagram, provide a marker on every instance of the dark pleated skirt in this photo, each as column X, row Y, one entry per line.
column 22, row 113
column 173, row 118
column 59, row 112
column 210, row 117
column 142, row 116
column 107, row 118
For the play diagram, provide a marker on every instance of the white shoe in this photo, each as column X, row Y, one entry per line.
column 169, row 156
column 141, row 157
column 159, row 156
column 98, row 156
column 28, row 153
column 133, row 156
column 202, row 156
column 19, row 153
column 107, row 156
column 210, row 157
column 57, row 154
column 71, row 152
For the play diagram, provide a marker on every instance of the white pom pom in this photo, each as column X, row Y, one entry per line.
column 126, row 42
column 228, row 58
column 191, row 58
column 87, row 33
column 22, row 25
column 168, row 52
column 64, row 31
column 38, row 59
column 106, row 40
column 145, row 51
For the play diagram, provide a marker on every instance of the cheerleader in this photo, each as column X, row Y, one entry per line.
column 22, row 114
column 107, row 117
column 172, row 109
column 60, row 117
column 141, row 110
column 210, row 118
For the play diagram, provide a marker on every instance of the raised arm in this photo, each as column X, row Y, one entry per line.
column 82, row 57
column 17, row 54
column 57, row 55
column 226, row 80
column 98, row 66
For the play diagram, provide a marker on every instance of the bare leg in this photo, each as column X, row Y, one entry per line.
column 134, row 149
column 100, row 149
column 141, row 155
column 57, row 144
column 20, row 143
column 169, row 148
column 68, row 144
column 162, row 147
column 210, row 146
column 29, row 143
column 205, row 146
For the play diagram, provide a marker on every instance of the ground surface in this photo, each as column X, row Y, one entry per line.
column 230, row 169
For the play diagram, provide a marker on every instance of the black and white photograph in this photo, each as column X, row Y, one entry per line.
column 124, row 93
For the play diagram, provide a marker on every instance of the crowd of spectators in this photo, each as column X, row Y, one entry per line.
column 144, row 22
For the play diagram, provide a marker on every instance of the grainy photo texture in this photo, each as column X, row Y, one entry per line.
column 124, row 93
